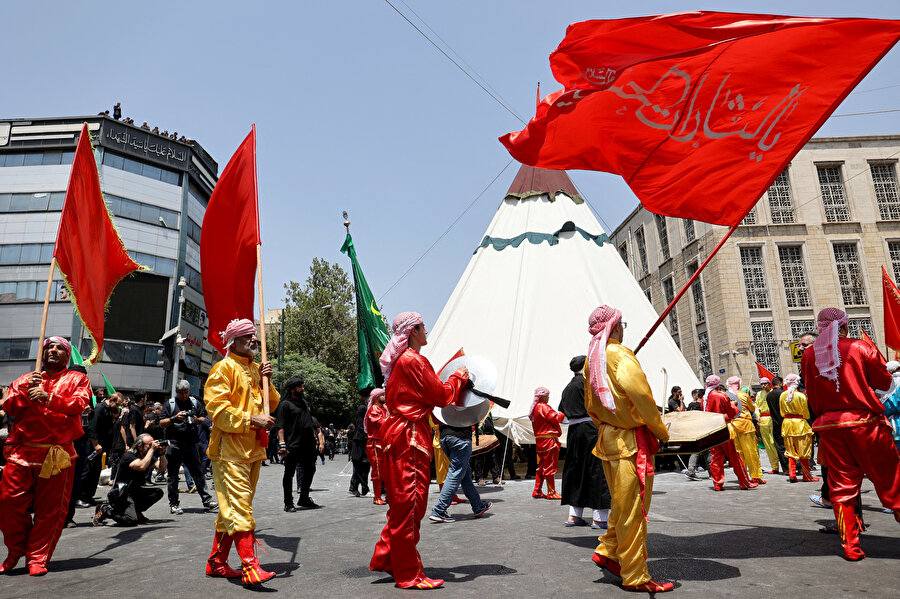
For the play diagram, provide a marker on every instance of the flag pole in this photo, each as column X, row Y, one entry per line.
column 262, row 325
column 37, row 365
column 685, row 288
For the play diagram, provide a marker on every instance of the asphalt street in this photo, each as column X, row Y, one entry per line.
column 760, row 543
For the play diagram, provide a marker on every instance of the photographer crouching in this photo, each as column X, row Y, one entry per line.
column 181, row 418
column 129, row 498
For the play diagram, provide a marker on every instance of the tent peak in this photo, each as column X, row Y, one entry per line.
column 531, row 181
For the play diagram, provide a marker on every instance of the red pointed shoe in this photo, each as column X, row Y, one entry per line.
column 538, row 495
column 379, row 501
column 9, row 563
column 651, row 586
column 553, row 495
column 426, row 583
column 758, row 481
column 36, row 569
column 607, row 564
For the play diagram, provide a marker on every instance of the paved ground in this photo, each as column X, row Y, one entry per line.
column 760, row 543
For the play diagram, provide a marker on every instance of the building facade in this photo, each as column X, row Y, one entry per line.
column 817, row 238
column 157, row 189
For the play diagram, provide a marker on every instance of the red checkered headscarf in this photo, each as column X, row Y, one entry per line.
column 373, row 395
column 540, row 394
column 712, row 381
column 791, row 382
column 828, row 358
column 237, row 328
column 734, row 384
column 61, row 341
column 403, row 326
column 600, row 324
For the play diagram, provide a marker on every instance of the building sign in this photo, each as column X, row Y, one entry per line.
column 144, row 145
column 4, row 133
column 796, row 352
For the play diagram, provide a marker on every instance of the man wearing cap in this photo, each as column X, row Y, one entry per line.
column 37, row 480
column 765, row 424
column 630, row 429
column 545, row 422
column 237, row 445
column 412, row 391
column 854, row 437
column 716, row 401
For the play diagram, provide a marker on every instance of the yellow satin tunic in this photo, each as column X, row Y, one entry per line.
column 762, row 405
column 742, row 424
column 795, row 427
column 233, row 394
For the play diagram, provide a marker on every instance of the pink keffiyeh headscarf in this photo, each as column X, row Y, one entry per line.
column 403, row 325
column 828, row 358
column 765, row 381
column 375, row 394
column 600, row 324
column 791, row 382
column 712, row 381
column 62, row 341
column 237, row 328
column 539, row 394
column 734, row 384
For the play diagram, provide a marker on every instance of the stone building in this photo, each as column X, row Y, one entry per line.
column 817, row 238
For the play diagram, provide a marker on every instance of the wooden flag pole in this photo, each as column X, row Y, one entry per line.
column 262, row 326
column 40, row 345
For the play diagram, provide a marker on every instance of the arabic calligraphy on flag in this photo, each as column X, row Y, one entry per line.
column 698, row 112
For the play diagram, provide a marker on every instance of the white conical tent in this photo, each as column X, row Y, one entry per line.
column 524, row 299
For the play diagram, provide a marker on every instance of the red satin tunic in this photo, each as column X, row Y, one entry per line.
column 546, row 420
column 375, row 417
column 56, row 423
column 718, row 402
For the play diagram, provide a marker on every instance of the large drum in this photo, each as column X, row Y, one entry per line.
column 484, row 444
column 693, row 432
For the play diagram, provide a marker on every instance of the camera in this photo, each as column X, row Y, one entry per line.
column 164, row 443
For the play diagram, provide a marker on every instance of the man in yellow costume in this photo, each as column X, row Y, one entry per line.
column 619, row 401
column 795, row 429
column 237, row 446
column 764, row 416
column 744, row 433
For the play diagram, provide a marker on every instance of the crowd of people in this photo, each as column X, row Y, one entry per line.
column 57, row 433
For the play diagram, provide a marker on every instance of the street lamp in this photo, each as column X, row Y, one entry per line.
column 179, row 340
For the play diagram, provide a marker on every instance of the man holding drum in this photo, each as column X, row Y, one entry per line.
column 630, row 429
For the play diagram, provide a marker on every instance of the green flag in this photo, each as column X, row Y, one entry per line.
column 76, row 359
column 109, row 387
column 372, row 332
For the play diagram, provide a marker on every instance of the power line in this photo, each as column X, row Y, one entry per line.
column 862, row 113
column 450, row 58
column 446, row 231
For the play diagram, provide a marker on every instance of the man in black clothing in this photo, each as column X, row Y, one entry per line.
column 100, row 436
column 356, row 440
column 135, row 419
column 298, row 443
column 181, row 419
column 773, row 399
column 696, row 404
column 583, row 482
column 676, row 401
column 330, row 438
column 153, row 428
column 129, row 499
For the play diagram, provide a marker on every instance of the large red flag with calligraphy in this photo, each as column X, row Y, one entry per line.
column 891, row 311
column 700, row 111
column 230, row 235
column 88, row 250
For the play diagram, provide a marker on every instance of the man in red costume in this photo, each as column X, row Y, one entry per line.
column 375, row 417
column 716, row 401
column 545, row 422
column 413, row 390
column 46, row 410
column 854, row 436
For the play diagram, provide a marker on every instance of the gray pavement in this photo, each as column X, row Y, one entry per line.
column 760, row 543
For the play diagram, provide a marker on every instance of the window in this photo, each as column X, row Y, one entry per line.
column 642, row 249
column 623, row 252
column 750, row 219
column 689, row 233
column 894, row 251
column 121, row 352
column 195, row 314
column 754, row 277
column 137, row 167
column 156, row 264
column 29, row 291
column 884, row 179
column 193, row 278
column 846, row 259
column 36, row 158
column 697, row 292
column 831, row 184
column 705, row 356
column 764, row 345
column 648, row 294
column 857, row 325
column 669, row 294
column 40, row 201
column 663, row 236
column 793, row 276
column 18, row 349
column 193, row 231
column 781, row 203
column 799, row 327
column 26, row 253
column 139, row 211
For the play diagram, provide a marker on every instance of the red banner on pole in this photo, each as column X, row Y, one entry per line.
column 891, row 311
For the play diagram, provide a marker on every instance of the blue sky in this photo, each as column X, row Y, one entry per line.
column 354, row 110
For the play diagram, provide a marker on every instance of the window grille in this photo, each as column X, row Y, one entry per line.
column 831, row 185
column 754, row 277
column 894, row 251
column 705, row 357
column 669, row 294
column 884, row 179
column 642, row 249
column 793, row 276
column 623, row 251
column 781, row 202
column 697, row 292
column 857, row 325
column 750, row 219
column 689, row 233
column 846, row 258
column 663, row 236
column 764, row 345
column 799, row 327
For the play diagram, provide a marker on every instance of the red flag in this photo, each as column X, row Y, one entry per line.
column 228, row 243
column 867, row 339
column 89, row 251
column 891, row 311
column 698, row 112
column 763, row 372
